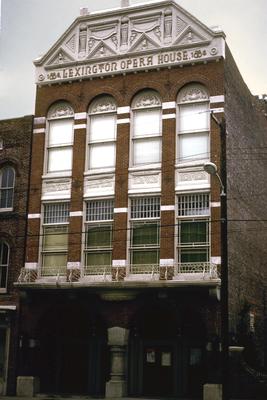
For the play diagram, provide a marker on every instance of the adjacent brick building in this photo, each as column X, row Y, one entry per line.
column 122, row 273
column 15, row 145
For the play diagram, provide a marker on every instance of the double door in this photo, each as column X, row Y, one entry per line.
column 158, row 370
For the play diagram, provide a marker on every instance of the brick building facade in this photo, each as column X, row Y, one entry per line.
column 15, row 145
column 122, row 274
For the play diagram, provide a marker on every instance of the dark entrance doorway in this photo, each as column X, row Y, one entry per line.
column 72, row 352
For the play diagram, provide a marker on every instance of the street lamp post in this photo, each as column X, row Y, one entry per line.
column 211, row 169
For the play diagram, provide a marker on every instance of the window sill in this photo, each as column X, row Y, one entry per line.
column 185, row 164
column 99, row 171
column 6, row 210
column 148, row 167
column 3, row 290
column 62, row 174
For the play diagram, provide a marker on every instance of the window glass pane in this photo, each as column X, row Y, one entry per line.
column 55, row 238
column 145, row 207
column 101, row 155
column 3, row 276
column 193, row 204
column 145, row 257
column 7, row 177
column 4, row 250
column 194, row 117
column 145, row 234
column 194, row 232
column 99, row 236
column 60, row 132
column 146, row 151
column 6, row 198
column 102, row 127
column 194, row 255
column 99, row 210
column 147, row 122
column 59, row 159
column 55, row 260
column 2, row 351
column 56, row 213
column 97, row 258
column 193, row 146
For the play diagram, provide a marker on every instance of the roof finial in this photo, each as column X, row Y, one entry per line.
column 125, row 3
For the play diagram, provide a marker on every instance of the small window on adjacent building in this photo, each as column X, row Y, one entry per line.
column 145, row 239
column 4, row 260
column 102, row 133
column 7, row 183
column 60, row 138
column 146, row 128
column 1, row 144
column 98, row 236
column 193, row 123
column 193, row 224
column 55, row 238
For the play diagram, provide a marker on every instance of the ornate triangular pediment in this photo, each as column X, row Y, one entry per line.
column 61, row 57
column 189, row 37
column 101, row 50
column 144, row 43
column 122, row 36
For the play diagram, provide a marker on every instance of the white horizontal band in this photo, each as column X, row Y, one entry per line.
column 119, row 263
column 216, row 260
column 80, row 126
column 73, row 265
column 34, row 216
column 76, row 214
column 123, row 110
column 166, row 262
column 120, row 210
column 31, row 265
column 168, row 104
column 39, row 120
column 217, row 99
column 168, row 116
column 81, row 115
column 167, row 208
column 215, row 204
column 217, row 110
column 123, row 121
column 40, row 130
column 9, row 307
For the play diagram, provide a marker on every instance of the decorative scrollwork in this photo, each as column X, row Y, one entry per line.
column 192, row 93
column 147, row 99
column 60, row 110
column 104, row 104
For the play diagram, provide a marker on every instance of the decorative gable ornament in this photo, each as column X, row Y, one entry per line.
column 134, row 38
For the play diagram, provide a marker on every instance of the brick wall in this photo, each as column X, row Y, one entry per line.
column 246, row 126
column 16, row 136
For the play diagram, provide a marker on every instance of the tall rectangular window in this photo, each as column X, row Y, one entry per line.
column 102, row 133
column 60, row 138
column 55, row 238
column 193, row 225
column 193, row 123
column 147, row 128
column 98, row 236
column 145, row 230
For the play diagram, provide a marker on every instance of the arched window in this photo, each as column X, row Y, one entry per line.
column 4, row 259
column 147, row 128
column 7, row 182
column 193, row 123
column 60, row 138
column 102, row 133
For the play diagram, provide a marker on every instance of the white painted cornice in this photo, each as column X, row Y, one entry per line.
column 139, row 37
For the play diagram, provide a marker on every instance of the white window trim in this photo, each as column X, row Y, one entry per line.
column 8, row 209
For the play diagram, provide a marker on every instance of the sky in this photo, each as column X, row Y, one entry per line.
column 30, row 27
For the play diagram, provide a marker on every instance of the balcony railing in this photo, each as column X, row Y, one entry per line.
column 138, row 272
